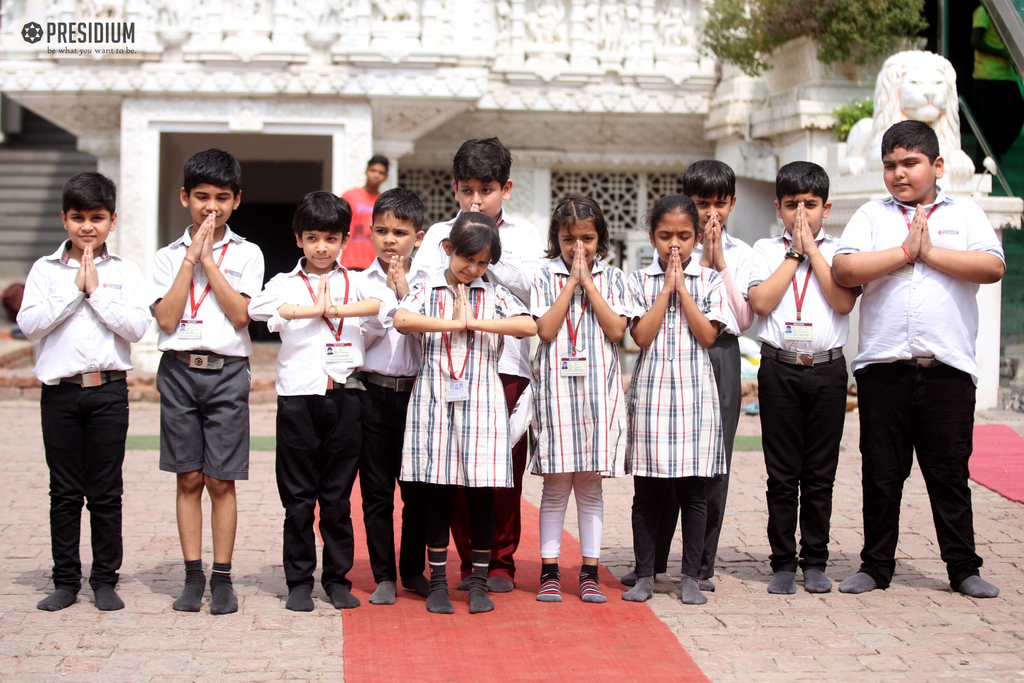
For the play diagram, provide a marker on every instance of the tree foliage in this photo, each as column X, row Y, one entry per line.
column 745, row 32
column 851, row 113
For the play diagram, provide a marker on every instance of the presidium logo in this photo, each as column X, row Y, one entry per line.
column 105, row 37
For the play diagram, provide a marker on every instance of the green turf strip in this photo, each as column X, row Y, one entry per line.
column 152, row 443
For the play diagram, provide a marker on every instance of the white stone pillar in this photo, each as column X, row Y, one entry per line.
column 107, row 150
column 393, row 150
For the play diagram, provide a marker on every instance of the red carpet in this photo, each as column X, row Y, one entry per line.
column 998, row 460
column 521, row 640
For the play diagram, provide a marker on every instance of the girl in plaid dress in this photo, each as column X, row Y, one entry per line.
column 675, row 435
column 457, row 427
column 581, row 307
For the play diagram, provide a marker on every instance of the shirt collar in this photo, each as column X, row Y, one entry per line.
column 438, row 279
column 302, row 261
column 692, row 268
column 375, row 271
column 229, row 235
column 823, row 236
column 940, row 197
column 558, row 266
column 63, row 253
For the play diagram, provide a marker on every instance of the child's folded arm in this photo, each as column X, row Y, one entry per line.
column 979, row 267
column 125, row 312
column 738, row 304
column 46, row 304
column 519, row 326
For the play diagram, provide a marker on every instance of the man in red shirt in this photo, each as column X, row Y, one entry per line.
column 360, row 253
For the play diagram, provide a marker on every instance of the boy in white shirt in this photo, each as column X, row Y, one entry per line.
column 85, row 306
column 318, row 399
column 920, row 256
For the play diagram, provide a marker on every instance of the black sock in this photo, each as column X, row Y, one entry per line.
column 437, row 599
column 191, row 598
column 588, row 571
column 478, row 600
column 549, row 571
column 222, row 594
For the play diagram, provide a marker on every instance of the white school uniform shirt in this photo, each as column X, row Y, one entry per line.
column 522, row 255
column 917, row 310
column 463, row 442
column 674, row 416
column 388, row 351
column 738, row 255
column 829, row 329
column 302, row 368
column 242, row 267
column 76, row 333
column 581, row 421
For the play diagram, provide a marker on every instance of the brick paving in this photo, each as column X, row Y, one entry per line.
column 916, row 630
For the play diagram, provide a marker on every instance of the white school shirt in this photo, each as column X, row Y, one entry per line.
column 829, row 329
column 243, row 269
column 463, row 442
column 76, row 333
column 388, row 351
column 674, row 415
column 302, row 369
column 522, row 255
column 738, row 255
column 917, row 310
column 581, row 421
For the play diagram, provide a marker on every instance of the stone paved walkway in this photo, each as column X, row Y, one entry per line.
column 916, row 630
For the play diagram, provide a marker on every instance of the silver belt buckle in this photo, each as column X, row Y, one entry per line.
column 805, row 359
column 92, row 379
column 198, row 362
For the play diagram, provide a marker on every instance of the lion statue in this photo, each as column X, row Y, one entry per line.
column 919, row 86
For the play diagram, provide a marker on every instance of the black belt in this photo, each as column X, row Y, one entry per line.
column 204, row 360
column 352, row 382
column 388, row 382
column 794, row 358
column 95, row 379
column 921, row 361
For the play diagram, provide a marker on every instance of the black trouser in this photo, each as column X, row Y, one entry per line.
column 83, row 433
column 803, row 409
column 318, row 441
column 929, row 410
column 441, row 502
column 725, row 362
column 380, row 464
column 648, row 494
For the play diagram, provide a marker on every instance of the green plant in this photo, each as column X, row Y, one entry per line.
column 745, row 32
column 851, row 113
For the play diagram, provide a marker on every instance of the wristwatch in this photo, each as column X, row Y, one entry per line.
column 793, row 253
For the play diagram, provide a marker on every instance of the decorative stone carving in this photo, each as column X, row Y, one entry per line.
column 545, row 25
column 917, row 86
column 396, row 10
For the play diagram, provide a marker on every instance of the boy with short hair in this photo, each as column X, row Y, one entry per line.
column 481, row 182
column 389, row 372
column 85, row 306
column 318, row 398
column 359, row 252
column 202, row 283
column 802, row 326
column 920, row 256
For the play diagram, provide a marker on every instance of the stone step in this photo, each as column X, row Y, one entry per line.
column 44, row 191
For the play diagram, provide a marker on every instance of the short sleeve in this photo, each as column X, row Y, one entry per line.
column 264, row 305
column 760, row 267
column 416, row 299
column 616, row 294
column 252, row 272
column 981, row 236
column 542, row 296
column 163, row 274
column 856, row 236
column 637, row 298
column 714, row 306
column 506, row 305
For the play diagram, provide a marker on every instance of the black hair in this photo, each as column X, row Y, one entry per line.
column 709, row 179
column 484, row 159
column 472, row 233
column 379, row 159
column 799, row 177
column 215, row 167
column 88, row 191
column 913, row 136
column 324, row 211
column 402, row 204
column 673, row 203
column 575, row 209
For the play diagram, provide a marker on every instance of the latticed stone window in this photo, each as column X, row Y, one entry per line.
column 434, row 187
column 615, row 193
column 661, row 185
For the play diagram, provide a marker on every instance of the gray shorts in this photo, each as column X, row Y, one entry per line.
column 204, row 418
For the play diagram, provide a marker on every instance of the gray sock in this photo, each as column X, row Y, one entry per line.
column 783, row 583
column 499, row 584
column 191, row 598
column 222, row 593
column 341, row 597
column 977, row 587
column 300, row 598
column 385, row 593
column 437, row 598
column 689, row 592
column 419, row 584
column 705, row 586
column 815, row 581
column 478, row 584
column 629, row 579
column 858, row 583
column 642, row 591
column 57, row 600
column 107, row 599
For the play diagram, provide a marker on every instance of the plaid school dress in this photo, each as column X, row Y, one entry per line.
column 675, row 424
column 580, row 421
column 462, row 442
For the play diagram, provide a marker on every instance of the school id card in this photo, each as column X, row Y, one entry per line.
column 798, row 332
column 457, row 390
column 190, row 328
column 339, row 352
column 573, row 366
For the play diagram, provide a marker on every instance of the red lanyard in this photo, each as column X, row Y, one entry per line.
column 341, row 321
column 446, row 338
column 926, row 216
column 799, row 296
column 574, row 331
column 192, row 287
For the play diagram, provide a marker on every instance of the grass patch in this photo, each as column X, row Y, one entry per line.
column 747, row 443
column 151, row 442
